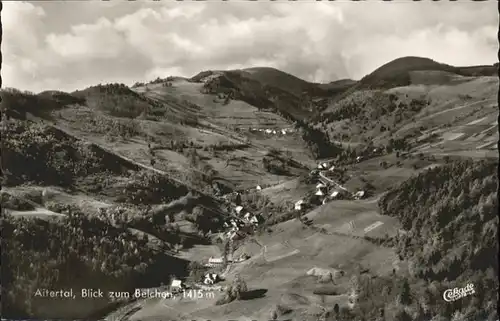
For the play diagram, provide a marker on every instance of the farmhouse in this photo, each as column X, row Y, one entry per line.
column 359, row 194
column 319, row 192
column 213, row 261
column 254, row 220
column 238, row 209
column 298, row 205
column 176, row 284
column 258, row 188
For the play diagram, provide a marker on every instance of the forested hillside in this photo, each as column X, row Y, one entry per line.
column 450, row 220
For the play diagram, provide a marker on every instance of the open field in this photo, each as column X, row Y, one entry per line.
column 289, row 253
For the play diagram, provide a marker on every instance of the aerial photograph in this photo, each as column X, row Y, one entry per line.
column 249, row 160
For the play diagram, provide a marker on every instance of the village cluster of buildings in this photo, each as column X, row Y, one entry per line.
column 326, row 192
column 269, row 131
column 239, row 222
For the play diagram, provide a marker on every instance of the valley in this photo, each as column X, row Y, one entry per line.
column 311, row 185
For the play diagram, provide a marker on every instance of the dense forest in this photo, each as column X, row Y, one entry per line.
column 33, row 152
column 449, row 216
column 74, row 252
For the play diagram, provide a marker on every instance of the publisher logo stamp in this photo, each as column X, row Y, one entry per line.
column 455, row 294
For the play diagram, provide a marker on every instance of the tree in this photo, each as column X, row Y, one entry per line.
column 193, row 157
column 196, row 271
column 405, row 295
column 238, row 287
column 225, row 252
column 237, row 200
column 336, row 309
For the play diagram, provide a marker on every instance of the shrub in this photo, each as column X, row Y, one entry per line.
column 43, row 254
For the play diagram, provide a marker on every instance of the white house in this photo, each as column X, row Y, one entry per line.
column 359, row 194
column 320, row 166
column 247, row 216
column 325, row 165
column 298, row 205
column 268, row 131
column 334, row 194
column 238, row 209
column 359, row 158
column 320, row 185
column 283, row 132
column 258, row 188
column 176, row 284
column 254, row 220
column 331, row 169
column 274, row 132
column 319, row 193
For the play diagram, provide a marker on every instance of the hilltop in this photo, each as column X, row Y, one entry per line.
column 397, row 73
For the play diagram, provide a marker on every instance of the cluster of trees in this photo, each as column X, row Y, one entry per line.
column 450, row 215
column 235, row 291
column 348, row 111
column 14, row 203
column 202, row 174
column 74, row 252
column 112, row 127
column 226, row 146
column 33, row 152
column 275, row 166
column 398, row 144
column 147, row 187
column 165, row 81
